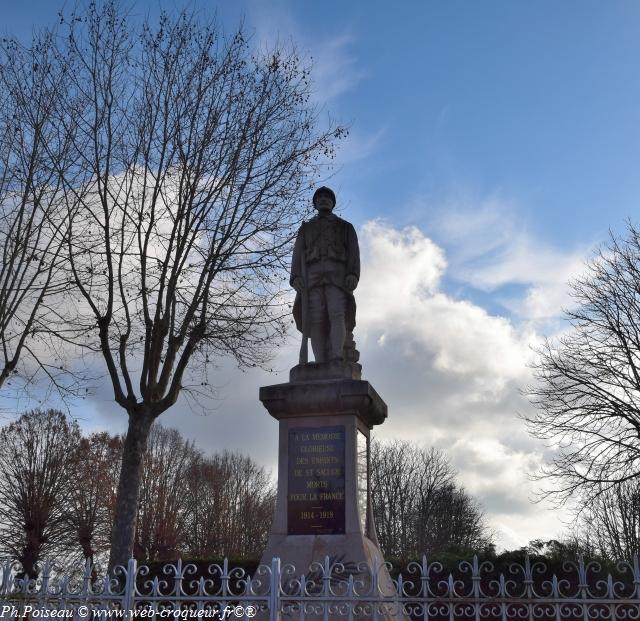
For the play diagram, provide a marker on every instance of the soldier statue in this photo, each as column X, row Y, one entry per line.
column 325, row 270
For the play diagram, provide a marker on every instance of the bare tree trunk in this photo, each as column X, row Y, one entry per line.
column 124, row 523
column 30, row 555
column 89, row 554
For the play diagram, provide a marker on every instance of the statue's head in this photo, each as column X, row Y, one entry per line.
column 324, row 200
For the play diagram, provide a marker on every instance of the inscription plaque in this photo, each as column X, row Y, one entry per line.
column 315, row 503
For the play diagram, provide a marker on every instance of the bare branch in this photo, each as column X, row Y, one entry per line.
column 587, row 393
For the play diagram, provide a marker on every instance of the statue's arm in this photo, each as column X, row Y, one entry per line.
column 353, row 252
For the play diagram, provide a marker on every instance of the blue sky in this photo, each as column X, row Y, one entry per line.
column 535, row 102
column 493, row 145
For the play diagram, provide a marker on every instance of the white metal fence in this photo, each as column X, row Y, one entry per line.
column 475, row 591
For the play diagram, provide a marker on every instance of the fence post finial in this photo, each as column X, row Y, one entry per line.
column 274, row 590
column 130, row 585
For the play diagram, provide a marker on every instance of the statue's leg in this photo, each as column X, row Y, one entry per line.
column 317, row 330
column 336, row 308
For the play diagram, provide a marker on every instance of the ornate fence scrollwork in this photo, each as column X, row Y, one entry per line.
column 333, row 589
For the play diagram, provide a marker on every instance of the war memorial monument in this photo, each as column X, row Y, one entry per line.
column 326, row 411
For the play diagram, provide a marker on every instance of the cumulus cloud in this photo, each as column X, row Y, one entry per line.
column 403, row 301
column 449, row 370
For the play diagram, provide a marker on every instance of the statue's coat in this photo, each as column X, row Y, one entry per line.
column 329, row 245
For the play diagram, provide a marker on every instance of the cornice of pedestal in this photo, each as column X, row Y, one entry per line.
column 325, row 397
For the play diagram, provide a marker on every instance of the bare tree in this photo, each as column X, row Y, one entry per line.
column 417, row 506
column 161, row 518
column 395, row 470
column 610, row 523
column 90, row 506
column 587, row 393
column 193, row 162
column 36, row 479
column 230, row 502
column 33, row 219
column 451, row 519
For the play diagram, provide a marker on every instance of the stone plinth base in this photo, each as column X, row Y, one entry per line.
column 323, row 505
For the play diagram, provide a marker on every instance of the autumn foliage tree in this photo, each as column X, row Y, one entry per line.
column 200, row 505
column 229, row 502
column 91, row 502
column 161, row 522
column 58, row 493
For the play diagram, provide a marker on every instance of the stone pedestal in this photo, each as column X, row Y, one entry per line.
column 323, row 506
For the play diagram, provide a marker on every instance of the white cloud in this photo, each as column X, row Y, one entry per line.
column 490, row 248
column 449, row 370
column 402, row 297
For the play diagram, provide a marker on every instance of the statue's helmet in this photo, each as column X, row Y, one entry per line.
column 324, row 190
